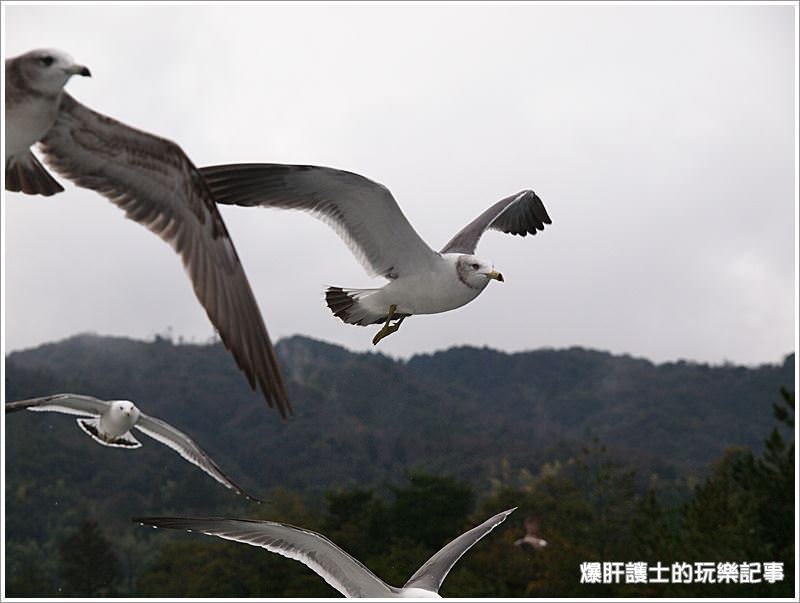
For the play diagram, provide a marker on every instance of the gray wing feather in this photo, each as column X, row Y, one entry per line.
column 156, row 184
column 431, row 575
column 362, row 212
column 185, row 446
column 337, row 568
column 520, row 214
column 68, row 404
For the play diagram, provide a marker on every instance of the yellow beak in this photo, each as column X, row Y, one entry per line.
column 495, row 275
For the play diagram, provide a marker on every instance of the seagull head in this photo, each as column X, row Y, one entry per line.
column 48, row 70
column 125, row 409
column 475, row 272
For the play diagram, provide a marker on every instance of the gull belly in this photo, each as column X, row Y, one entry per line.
column 28, row 122
column 113, row 426
column 425, row 292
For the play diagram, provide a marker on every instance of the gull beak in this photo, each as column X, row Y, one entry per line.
column 78, row 70
column 496, row 276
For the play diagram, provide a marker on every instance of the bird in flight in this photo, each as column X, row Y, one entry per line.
column 332, row 564
column 366, row 215
column 531, row 538
column 154, row 182
column 110, row 422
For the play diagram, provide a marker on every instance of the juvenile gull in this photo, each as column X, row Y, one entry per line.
column 34, row 85
column 157, row 185
column 366, row 215
column 110, row 423
column 332, row 564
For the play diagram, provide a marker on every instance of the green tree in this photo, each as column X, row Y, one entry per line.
column 430, row 509
column 745, row 511
column 89, row 566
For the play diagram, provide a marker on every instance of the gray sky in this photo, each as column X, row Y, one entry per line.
column 660, row 138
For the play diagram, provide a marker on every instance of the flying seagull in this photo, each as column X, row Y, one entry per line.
column 531, row 538
column 332, row 564
column 366, row 215
column 34, row 86
column 110, row 423
column 156, row 184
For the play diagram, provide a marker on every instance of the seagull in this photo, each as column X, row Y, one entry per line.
column 110, row 423
column 332, row 564
column 34, row 86
column 157, row 185
column 366, row 215
column 531, row 537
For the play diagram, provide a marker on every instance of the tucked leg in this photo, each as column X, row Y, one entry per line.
column 388, row 328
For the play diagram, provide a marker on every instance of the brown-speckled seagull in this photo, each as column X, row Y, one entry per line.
column 153, row 181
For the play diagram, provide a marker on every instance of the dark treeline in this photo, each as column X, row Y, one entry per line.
column 603, row 493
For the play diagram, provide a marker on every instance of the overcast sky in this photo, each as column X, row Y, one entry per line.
column 660, row 138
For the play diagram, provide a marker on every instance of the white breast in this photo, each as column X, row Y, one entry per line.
column 428, row 292
column 28, row 122
column 114, row 425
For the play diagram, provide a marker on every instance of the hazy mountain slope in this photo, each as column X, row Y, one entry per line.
column 364, row 419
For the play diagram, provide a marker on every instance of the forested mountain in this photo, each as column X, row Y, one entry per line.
column 361, row 423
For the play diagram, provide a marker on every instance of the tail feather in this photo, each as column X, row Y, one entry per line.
column 345, row 305
column 24, row 174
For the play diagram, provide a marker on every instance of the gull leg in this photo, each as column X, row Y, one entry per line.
column 388, row 328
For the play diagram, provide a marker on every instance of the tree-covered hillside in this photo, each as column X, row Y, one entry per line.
column 496, row 425
column 363, row 418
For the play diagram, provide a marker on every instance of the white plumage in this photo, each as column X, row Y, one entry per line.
column 367, row 217
column 336, row 567
column 110, row 423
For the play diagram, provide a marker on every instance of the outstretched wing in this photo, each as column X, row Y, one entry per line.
column 185, row 446
column 361, row 211
column 431, row 575
column 157, row 185
column 69, row 404
column 337, row 568
column 519, row 214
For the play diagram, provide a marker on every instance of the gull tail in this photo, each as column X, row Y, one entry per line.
column 92, row 428
column 346, row 306
column 24, row 174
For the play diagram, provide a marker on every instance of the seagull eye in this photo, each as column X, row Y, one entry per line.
column 475, row 266
column 46, row 61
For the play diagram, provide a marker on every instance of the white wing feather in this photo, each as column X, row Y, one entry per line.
column 182, row 444
column 362, row 212
column 68, row 404
column 337, row 568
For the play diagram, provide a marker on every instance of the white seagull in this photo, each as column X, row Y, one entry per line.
column 34, row 85
column 337, row 568
column 366, row 215
column 154, row 182
column 110, row 423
